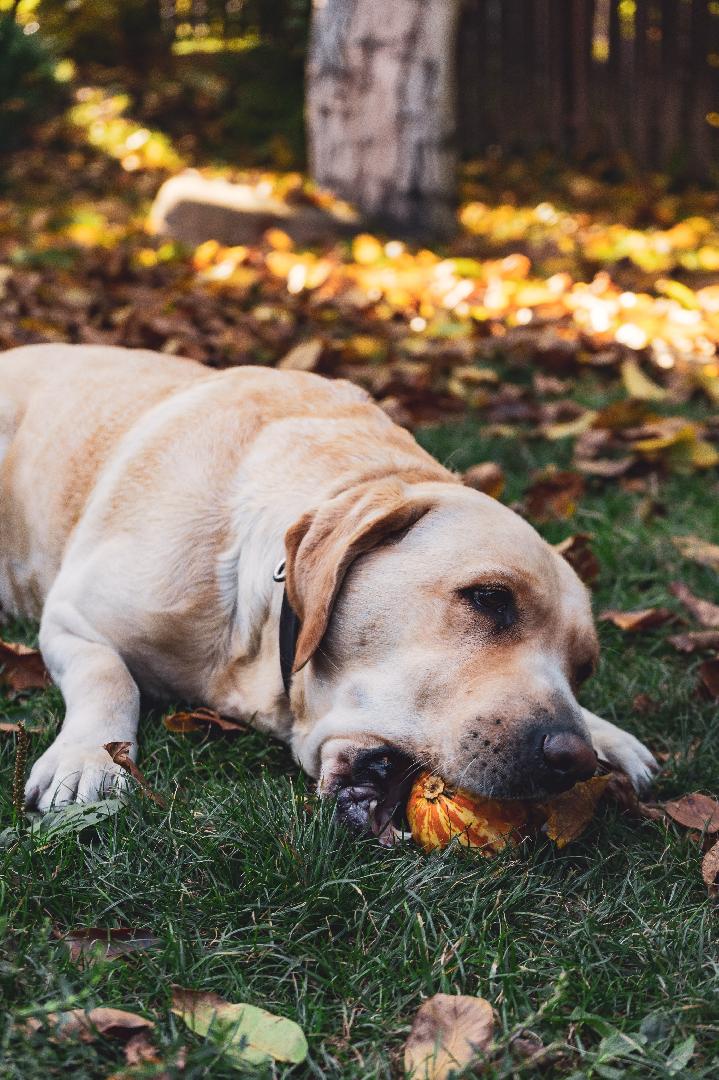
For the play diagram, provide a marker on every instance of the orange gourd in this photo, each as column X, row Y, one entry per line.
column 438, row 813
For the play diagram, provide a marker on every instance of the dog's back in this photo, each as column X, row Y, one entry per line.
column 63, row 409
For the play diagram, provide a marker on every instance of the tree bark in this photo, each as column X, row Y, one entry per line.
column 381, row 108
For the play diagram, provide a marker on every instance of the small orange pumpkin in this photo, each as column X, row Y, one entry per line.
column 438, row 813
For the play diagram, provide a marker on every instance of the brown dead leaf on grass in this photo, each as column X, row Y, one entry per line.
column 698, row 550
column 553, row 495
column 184, row 723
column 22, row 668
column 620, row 791
column 577, row 550
column 86, row 1026
column 118, row 751
column 141, row 1050
column 569, row 814
column 709, row 677
column 695, row 811
column 710, row 869
column 487, row 477
column 695, row 641
column 703, row 611
column 448, row 1034
column 642, row 619
column 96, row 941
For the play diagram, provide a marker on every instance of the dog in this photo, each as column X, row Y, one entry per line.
column 270, row 544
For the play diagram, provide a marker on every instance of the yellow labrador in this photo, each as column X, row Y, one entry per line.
column 270, row 544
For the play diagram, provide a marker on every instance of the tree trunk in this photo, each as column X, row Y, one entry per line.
column 381, row 109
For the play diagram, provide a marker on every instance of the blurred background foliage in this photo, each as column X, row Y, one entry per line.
column 235, row 68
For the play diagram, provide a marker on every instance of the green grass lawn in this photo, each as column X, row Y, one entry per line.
column 258, row 896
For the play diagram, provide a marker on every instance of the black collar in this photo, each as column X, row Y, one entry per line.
column 289, row 632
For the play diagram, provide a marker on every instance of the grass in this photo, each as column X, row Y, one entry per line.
column 607, row 949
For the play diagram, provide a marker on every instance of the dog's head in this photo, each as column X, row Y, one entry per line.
column 438, row 630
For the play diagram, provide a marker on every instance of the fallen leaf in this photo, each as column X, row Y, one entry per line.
column 605, row 468
column 643, row 703
column 74, row 818
column 709, row 676
column 141, row 1050
column 638, row 385
column 553, row 495
column 487, row 477
column 698, row 550
column 97, row 941
column 183, row 723
column 248, row 1035
column 22, row 668
column 695, row 640
column 622, row 414
column 703, row 610
column 695, row 811
column 449, row 1032
column 710, row 869
column 86, row 1026
column 304, row 357
column 643, row 619
column 621, row 791
column 569, row 813
column 118, row 751
column 578, row 552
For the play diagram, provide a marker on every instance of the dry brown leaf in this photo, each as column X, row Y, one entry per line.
column 96, row 941
column 710, row 869
column 22, row 668
column 709, row 677
column 643, row 619
column 569, row 814
column 695, row 811
column 644, row 703
column 553, row 495
column 621, row 791
column 141, row 1050
column 703, row 611
column 182, row 723
column 86, row 1026
column 695, row 640
column 487, row 477
column 698, row 550
column 118, row 751
column 605, row 468
column 578, row 552
column 622, row 414
column 449, row 1033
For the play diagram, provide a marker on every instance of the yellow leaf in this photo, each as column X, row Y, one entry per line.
column 638, row 385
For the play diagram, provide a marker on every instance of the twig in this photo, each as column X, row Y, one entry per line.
column 18, row 780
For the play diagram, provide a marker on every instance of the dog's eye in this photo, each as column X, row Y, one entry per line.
column 495, row 601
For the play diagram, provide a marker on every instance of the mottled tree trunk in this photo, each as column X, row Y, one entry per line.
column 381, row 109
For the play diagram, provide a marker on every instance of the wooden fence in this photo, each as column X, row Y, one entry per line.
column 582, row 77
column 593, row 77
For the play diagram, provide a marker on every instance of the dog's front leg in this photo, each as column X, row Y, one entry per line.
column 102, row 705
column 617, row 747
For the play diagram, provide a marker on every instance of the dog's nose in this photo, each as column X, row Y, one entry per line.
column 569, row 757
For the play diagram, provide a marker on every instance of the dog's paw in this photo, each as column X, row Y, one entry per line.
column 69, row 773
column 619, row 748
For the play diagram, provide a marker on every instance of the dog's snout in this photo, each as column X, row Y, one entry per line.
column 569, row 756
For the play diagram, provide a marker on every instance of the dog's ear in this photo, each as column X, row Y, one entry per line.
column 323, row 544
